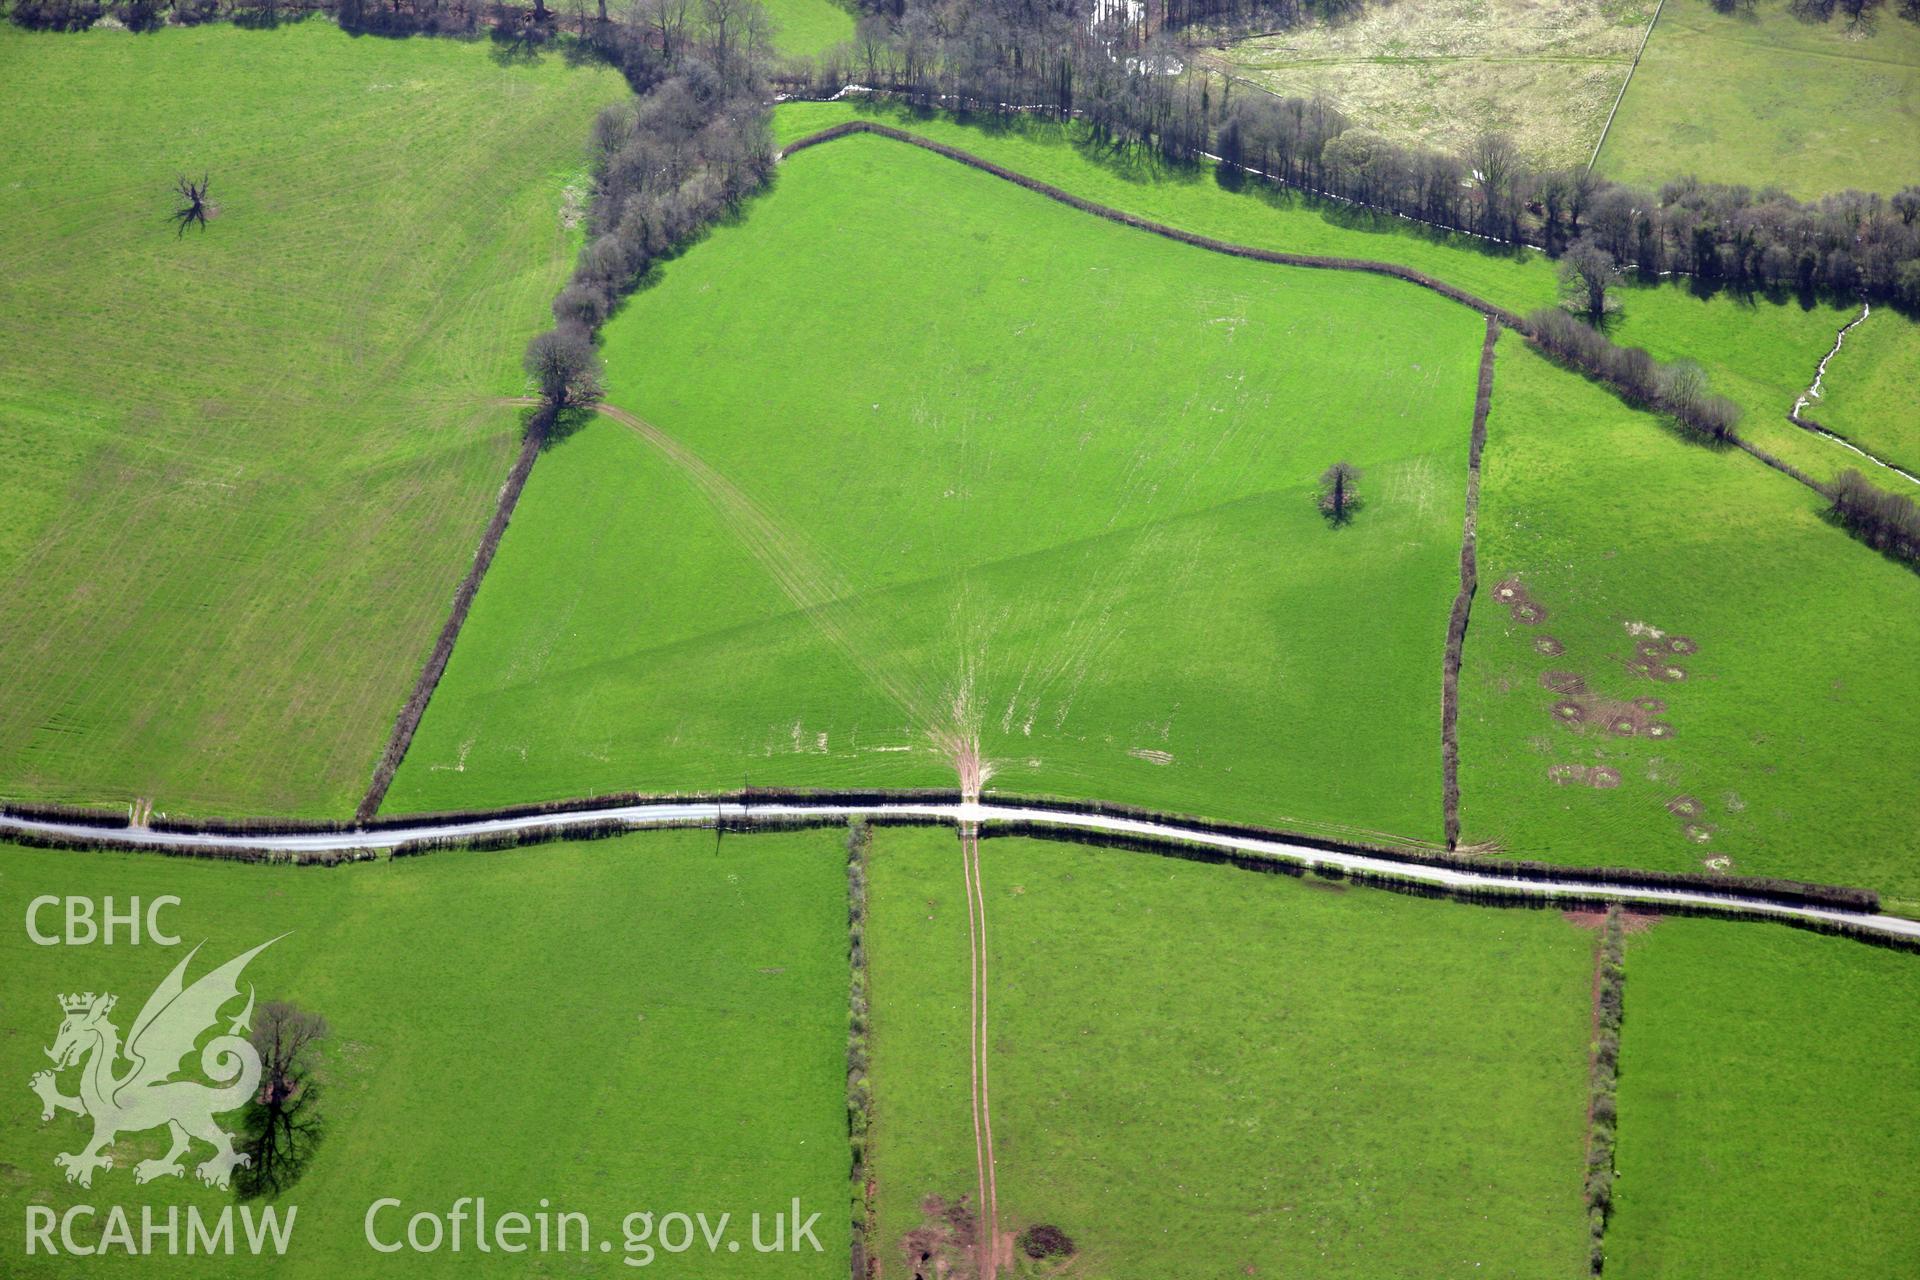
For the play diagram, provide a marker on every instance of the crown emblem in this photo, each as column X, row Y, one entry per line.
column 81, row 1003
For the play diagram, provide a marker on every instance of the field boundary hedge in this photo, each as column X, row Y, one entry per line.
column 416, row 703
column 1571, row 898
column 859, row 1089
column 1603, row 1082
column 73, row 814
column 1508, row 318
column 1463, row 602
column 1766, row 888
column 1566, row 892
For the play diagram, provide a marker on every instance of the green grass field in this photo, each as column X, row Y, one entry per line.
column 1872, row 396
column 1620, row 529
column 1436, row 72
column 634, row 1024
column 954, row 492
column 1768, row 99
column 1769, row 1107
column 1759, row 351
column 244, row 469
column 805, row 27
column 1199, row 1072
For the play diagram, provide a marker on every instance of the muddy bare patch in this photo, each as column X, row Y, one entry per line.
column 1685, row 807
column 1548, row 646
column 945, row 1244
column 1585, row 775
column 1520, row 606
column 1044, row 1240
column 1630, row 921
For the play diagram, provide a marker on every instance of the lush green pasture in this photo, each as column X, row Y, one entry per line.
column 645, row 1023
column 1200, row 1072
column 805, row 27
column 1765, row 98
column 1434, row 72
column 1026, row 475
column 1760, row 351
column 1780, row 732
column 1871, row 394
column 1769, row 1107
column 244, row 468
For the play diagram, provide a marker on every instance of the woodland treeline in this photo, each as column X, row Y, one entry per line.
column 1108, row 64
column 1007, row 57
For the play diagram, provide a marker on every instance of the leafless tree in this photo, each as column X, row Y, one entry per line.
column 196, row 210
column 1339, row 498
column 562, row 360
column 282, row 1125
column 1586, row 273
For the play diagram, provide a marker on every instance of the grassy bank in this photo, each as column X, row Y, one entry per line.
column 252, row 461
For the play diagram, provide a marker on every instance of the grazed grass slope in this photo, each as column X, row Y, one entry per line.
column 1779, row 752
column 645, row 1023
column 1769, row 1107
column 1197, row 1071
column 1871, row 394
column 805, row 27
column 1758, row 350
column 1436, row 72
column 1765, row 98
column 245, row 468
column 1028, row 472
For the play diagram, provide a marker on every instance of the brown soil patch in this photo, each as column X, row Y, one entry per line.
column 1659, row 729
column 1523, row 607
column 1685, row 807
column 1580, row 707
column 1630, row 921
column 1549, row 646
column 943, row 1246
column 1584, row 775
column 1721, row 864
column 1700, row 832
column 1652, row 706
column 1682, row 644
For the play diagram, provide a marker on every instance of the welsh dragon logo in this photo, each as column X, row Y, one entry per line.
column 145, row 1094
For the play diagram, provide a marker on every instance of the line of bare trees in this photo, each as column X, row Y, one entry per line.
column 666, row 164
column 1112, row 73
column 1678, row 389
column 1887, row 522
